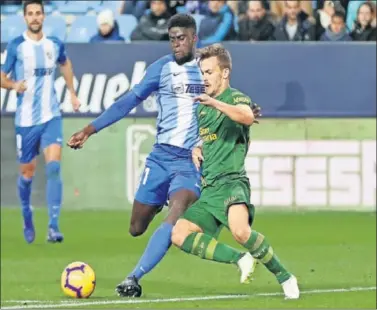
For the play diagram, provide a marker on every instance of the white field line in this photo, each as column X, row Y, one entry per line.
column 44, row 304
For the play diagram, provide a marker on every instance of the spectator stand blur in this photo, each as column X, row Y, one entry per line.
column 217, row 20
column 153, row 25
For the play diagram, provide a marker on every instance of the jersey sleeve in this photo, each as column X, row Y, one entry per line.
column 11, row 58
column 151, row 79
column 61, row 51
column 62, row 56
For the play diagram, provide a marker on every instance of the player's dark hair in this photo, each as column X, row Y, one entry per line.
column 262, row 3
column 218, row 51
column 27, row 3
column 182, row 20
column 339, row 14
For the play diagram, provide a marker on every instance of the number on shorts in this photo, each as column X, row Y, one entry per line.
column 146, row 173
column 19, row 145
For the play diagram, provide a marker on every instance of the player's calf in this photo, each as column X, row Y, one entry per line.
column 24, row 183
column 54, row 200
column 259, row 248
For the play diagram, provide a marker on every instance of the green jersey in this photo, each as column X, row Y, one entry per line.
column 225, row 142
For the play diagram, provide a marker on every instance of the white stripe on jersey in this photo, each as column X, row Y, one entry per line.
column 184, row 113
column 29, row 63
column 49, row 57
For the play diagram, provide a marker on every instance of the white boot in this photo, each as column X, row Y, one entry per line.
column 290, row 288
column 247, row 266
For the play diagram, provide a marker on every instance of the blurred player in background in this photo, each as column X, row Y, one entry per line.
column 32, row 59
column 225, row 116
column 169, row 172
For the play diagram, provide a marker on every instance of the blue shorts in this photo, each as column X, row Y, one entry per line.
column 30, row 139
column 168, row 169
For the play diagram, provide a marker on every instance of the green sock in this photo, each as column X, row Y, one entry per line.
column 206, row 247
column 260, row 249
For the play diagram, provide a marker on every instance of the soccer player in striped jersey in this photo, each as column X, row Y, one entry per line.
column 32, row 59
column 169, row 172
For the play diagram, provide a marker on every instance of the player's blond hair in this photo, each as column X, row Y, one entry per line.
column 218, row 51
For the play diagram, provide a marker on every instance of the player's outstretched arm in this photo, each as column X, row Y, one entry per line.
column 122, row 106
column 113, row 114
column 240, row 113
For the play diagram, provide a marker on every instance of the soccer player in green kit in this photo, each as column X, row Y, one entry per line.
column 225, row 116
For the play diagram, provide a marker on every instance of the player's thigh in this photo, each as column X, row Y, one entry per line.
column 51, row 139
column 27, row 144
column 153, row 185
column 179, row 201
column 200, row 215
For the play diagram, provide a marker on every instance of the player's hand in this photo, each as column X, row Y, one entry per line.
column 75, row 102
column 197, row 157
column 256, row 111
column 79, row 138
column 20, row 86
column 204, row 99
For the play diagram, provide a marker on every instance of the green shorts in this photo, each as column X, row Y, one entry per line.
column 210, row 212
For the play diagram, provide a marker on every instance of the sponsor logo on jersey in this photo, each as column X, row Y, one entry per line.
column 230, row 200
column 178, row 88
column 43, row 71
column 195, row 88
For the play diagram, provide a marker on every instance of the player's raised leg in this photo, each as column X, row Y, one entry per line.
column 258, row 246
column 51, row 140
column 142, row 216
column 157, row 245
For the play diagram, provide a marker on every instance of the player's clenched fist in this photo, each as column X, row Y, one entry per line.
column 79, row 138
column 197, row 157
column 20, row 86
column 257, row 112
column 75, row 102
column 204, row 99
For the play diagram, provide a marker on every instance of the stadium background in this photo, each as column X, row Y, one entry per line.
column 315, row 148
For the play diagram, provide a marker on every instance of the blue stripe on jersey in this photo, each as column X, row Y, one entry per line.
column 54, row 104
column 19, row 74
column 39, row 81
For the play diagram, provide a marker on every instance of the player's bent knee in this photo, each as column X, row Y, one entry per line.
column 241, row 234
column 53, row 169
column 137, row 229
column 177, row 238
column 28, row 170
column 181, row 231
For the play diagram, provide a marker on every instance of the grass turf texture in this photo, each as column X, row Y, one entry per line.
column 325, row 251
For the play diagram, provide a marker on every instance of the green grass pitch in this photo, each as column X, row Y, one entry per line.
column 332, row 254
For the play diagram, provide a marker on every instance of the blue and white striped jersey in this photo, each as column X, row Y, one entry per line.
column 175, row 87
column 35, row 62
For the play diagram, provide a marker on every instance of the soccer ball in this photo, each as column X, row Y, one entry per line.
column 78, row 280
